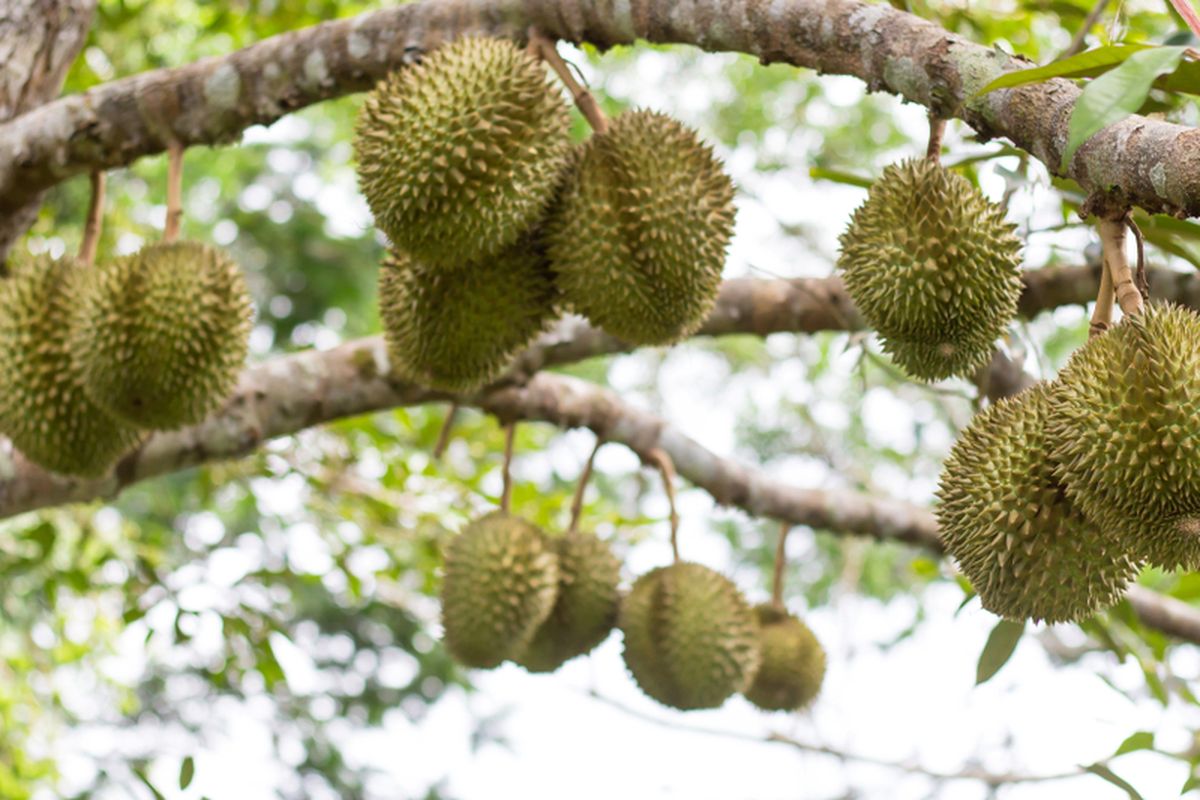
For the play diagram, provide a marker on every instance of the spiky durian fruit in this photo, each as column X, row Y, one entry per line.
column 161, row 336
column 1025, row 546
column 455, row 330
column 690, row 638
column 793, row 662
column 586, row 607
column 933, row 268
column 500, row 583
column 638, row 237
column 44, row 409
column 461, row 154
column 1125, row 423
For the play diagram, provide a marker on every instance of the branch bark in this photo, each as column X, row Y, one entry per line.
column 1144, row 162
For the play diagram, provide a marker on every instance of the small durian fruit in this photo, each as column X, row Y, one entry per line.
column 1125, row 425
column 461, row 154
column 690, row 637
column 44, row 409
column 933, row 268
column 1006, row 519
column 500, row 583
column 639, row 234
column 456, row 330
column 793, row 662
column 586, row 609
column 161, row 336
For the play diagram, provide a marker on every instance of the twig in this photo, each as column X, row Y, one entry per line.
column 667, row 468
column 1077, row 42
column 174, row 191
column 1143, row 282
column 1112, row 239
column 95, row 220
column 780, row 565
column 937, row 132
column 443, row 440
column 1102, row 314
column 584, row 100
column 506, row 471
column 581, row 487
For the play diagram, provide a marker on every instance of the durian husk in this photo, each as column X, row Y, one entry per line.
column 500, row 584
column 793, row 662
column 639, row 234
column 461, row 154
column 1027, row 548
column 933, row 268
column 44, row 409
column 1125, row 423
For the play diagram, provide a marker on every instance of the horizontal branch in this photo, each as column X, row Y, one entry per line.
column 1140, row 161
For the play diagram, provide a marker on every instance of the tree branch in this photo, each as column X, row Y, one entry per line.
column 1144, row 162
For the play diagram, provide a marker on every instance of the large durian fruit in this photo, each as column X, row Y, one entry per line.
column 161, row 336
column 793, row 662
column 690, row 637
column 638, row 237
column 586, row 608
column 1026, row 547
column 1125, row 423
column 456, row 330
column 44, row 409
column 933, row 268
column 461, row 154
column 500, row 584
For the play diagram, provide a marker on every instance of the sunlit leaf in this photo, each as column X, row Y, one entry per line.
column 1001, row 643
column 1115, row 779
column 1084, row 65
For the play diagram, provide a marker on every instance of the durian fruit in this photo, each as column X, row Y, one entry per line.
column 586, row 608
column 500, row 584
column 161, row 336
column 1125, row 423
column 933, row 268
column 44, row 409
column 456, row 330
column 690, row 638
column 1026, row 547
column 461, row 154
column 793, row 662
column 638, row 236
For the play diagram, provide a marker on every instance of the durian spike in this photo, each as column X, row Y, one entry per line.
column 174, row 191
column 666, row 467
column 937, row 131
column 545, row 48
column 443, row 440
column 581, row 487
column 780, row 565
column 510, row 431
column 95, row 221
column 1102, row 314
column 1112, row 240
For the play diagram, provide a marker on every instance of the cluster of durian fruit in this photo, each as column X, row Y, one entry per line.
column 498, row 224
column 1050, row 501
column 511, row 592
column 97, row 355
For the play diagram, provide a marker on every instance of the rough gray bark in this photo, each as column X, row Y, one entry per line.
column 1141, row 161
column 38, row 41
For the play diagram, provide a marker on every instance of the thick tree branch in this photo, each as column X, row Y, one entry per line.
column 1145, row 162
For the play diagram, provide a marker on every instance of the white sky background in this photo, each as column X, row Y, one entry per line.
column 914, row 702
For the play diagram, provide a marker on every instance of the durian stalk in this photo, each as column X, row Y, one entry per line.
column 585, row 101
column 1112, row 239
column 95, row 221
column 667, row 469
column 1102, row 314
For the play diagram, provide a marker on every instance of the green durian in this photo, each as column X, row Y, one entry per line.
column 1026, row 547
column 500, row 584
column 586, row 608
column 933, row 268
column 1125, row 423
column 460, row 155
column 690, row 638
column 44, row 409
column 161, row 336
column 456, row 330
column 793, row 662
column 639, row 234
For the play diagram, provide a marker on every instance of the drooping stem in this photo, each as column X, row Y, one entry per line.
column 174, row 191
column 1112, row 239
column 780, row 565
column 667, row 468
column 510, row 431
column 581, row 487
column 95, row 220
column 584, row 100
column 937, row 132
column 443, row 440
column 1142, row 281
column 1102, row 314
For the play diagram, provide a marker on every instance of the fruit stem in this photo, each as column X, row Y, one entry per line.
column 543, row 46
column 667, row 468
column 581, row 486
column 937, row 131
column 1143, row 283
column 1112, row 239
column 506, row 471
column 95, row 219
column 1102, row 314
column 174, row 191
column 780, row 564
column 443, row 440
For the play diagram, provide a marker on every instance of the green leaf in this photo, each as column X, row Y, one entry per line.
column 837, row 176
column 1142, row 740
column 187, row 771
column 1001, row 643
column 1115, row 779
column 1115, row 95
column 1084, row 65
column 1193, row 782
